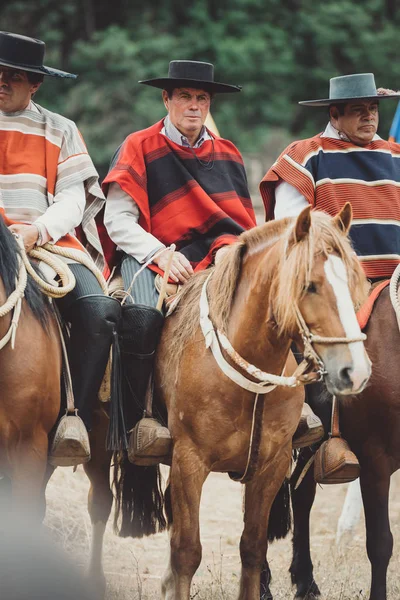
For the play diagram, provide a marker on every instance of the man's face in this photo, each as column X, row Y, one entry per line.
column 359, row 121
column 15, row 89
column 188, row 109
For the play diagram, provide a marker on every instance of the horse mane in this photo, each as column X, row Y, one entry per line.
column 9, row 267
column 294, row 271
column 296, row 263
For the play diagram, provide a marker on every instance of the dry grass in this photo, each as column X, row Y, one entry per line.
column 134, row 567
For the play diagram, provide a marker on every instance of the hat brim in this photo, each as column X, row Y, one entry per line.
column 329, row 101
column 213, row 87
column 41, row 70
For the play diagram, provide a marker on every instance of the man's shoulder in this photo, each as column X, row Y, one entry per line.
column 56, row 120
column 138, row 137
column 300, row 150
column 307, row 144
column 223, row 145
column 394, row 147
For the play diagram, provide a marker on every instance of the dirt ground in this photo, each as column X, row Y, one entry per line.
column 134, row 567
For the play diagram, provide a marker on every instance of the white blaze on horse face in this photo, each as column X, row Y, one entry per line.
column 337, row 276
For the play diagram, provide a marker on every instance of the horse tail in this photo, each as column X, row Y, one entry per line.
column 139, row 509
column 280, row 517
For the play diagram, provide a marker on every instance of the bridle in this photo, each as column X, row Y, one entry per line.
column 266, row 382
column 309, row 339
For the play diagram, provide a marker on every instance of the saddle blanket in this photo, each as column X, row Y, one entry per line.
column 364, row 313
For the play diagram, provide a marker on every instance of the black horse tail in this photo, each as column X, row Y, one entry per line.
column 139, row 509
column 280, row 517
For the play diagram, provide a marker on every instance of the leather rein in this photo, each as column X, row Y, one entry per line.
column 265, row 382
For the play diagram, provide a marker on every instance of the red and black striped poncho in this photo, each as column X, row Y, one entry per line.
column 181, row 201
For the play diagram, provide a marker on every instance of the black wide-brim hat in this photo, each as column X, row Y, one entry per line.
column 193, row 74
column 27, row 54
column 350, row 88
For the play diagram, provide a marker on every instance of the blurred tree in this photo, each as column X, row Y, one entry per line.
column 280, row 51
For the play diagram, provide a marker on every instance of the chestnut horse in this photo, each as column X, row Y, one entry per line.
column 370, row 422
column 253, row 294
column 29, row 387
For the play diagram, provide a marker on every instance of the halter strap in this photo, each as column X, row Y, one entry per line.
column 310, row 338
column 215, row 339
column 268, row 381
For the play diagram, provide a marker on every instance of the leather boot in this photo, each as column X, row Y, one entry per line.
column 309, row 430
column 140, row 331
column 94, row 319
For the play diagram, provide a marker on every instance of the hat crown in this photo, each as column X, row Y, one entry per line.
column 20, row 49
column 352, row 86
column 191, row 69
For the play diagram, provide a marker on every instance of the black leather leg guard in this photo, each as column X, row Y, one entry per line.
column 140, row 333
column 94, row 319
column 149, row 442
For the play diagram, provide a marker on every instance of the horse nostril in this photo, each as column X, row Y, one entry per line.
column 345, row 375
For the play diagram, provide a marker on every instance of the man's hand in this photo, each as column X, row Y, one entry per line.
column 181, row 269
column 28, row 233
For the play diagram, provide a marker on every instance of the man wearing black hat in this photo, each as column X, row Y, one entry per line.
column 348, row 162
column 49, row 186
column 173, row 183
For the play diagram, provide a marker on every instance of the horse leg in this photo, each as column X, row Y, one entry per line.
column 187, row 476
column 265, row 580
column 100, row 498
column 375, row 483
column 28, row 463
column 48, row 473
column 301, row 569
column 259, row 496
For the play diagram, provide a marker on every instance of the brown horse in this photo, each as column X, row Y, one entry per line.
column 370, row 422
column 30, row 398
column 29, row 387
column 253, row 294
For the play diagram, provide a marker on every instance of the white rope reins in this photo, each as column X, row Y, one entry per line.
column 14, row 301
column 215, row 339
column 267, row 382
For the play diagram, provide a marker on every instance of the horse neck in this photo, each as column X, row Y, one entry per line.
column 252, row 330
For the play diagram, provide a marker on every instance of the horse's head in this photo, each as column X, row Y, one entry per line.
column 320, row 282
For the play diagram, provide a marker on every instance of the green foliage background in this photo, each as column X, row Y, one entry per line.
column 280, row 51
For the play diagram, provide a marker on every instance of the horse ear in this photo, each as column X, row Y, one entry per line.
column 303, row 224
column 343, row 219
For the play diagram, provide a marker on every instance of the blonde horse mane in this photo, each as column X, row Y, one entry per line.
column 294, row 271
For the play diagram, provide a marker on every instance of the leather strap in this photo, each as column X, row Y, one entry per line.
column 335, row 431
column 66, row 373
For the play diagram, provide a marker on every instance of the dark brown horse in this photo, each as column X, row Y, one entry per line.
column 370, row 422
column 30, row 399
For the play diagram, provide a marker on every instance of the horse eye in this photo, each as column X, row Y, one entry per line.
column 311, row 288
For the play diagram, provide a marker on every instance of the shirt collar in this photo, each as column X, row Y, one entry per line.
column 31, row 106
column 332, row 132
column 177, row 137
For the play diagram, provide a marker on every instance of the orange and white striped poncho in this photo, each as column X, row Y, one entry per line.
column 42, row 154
